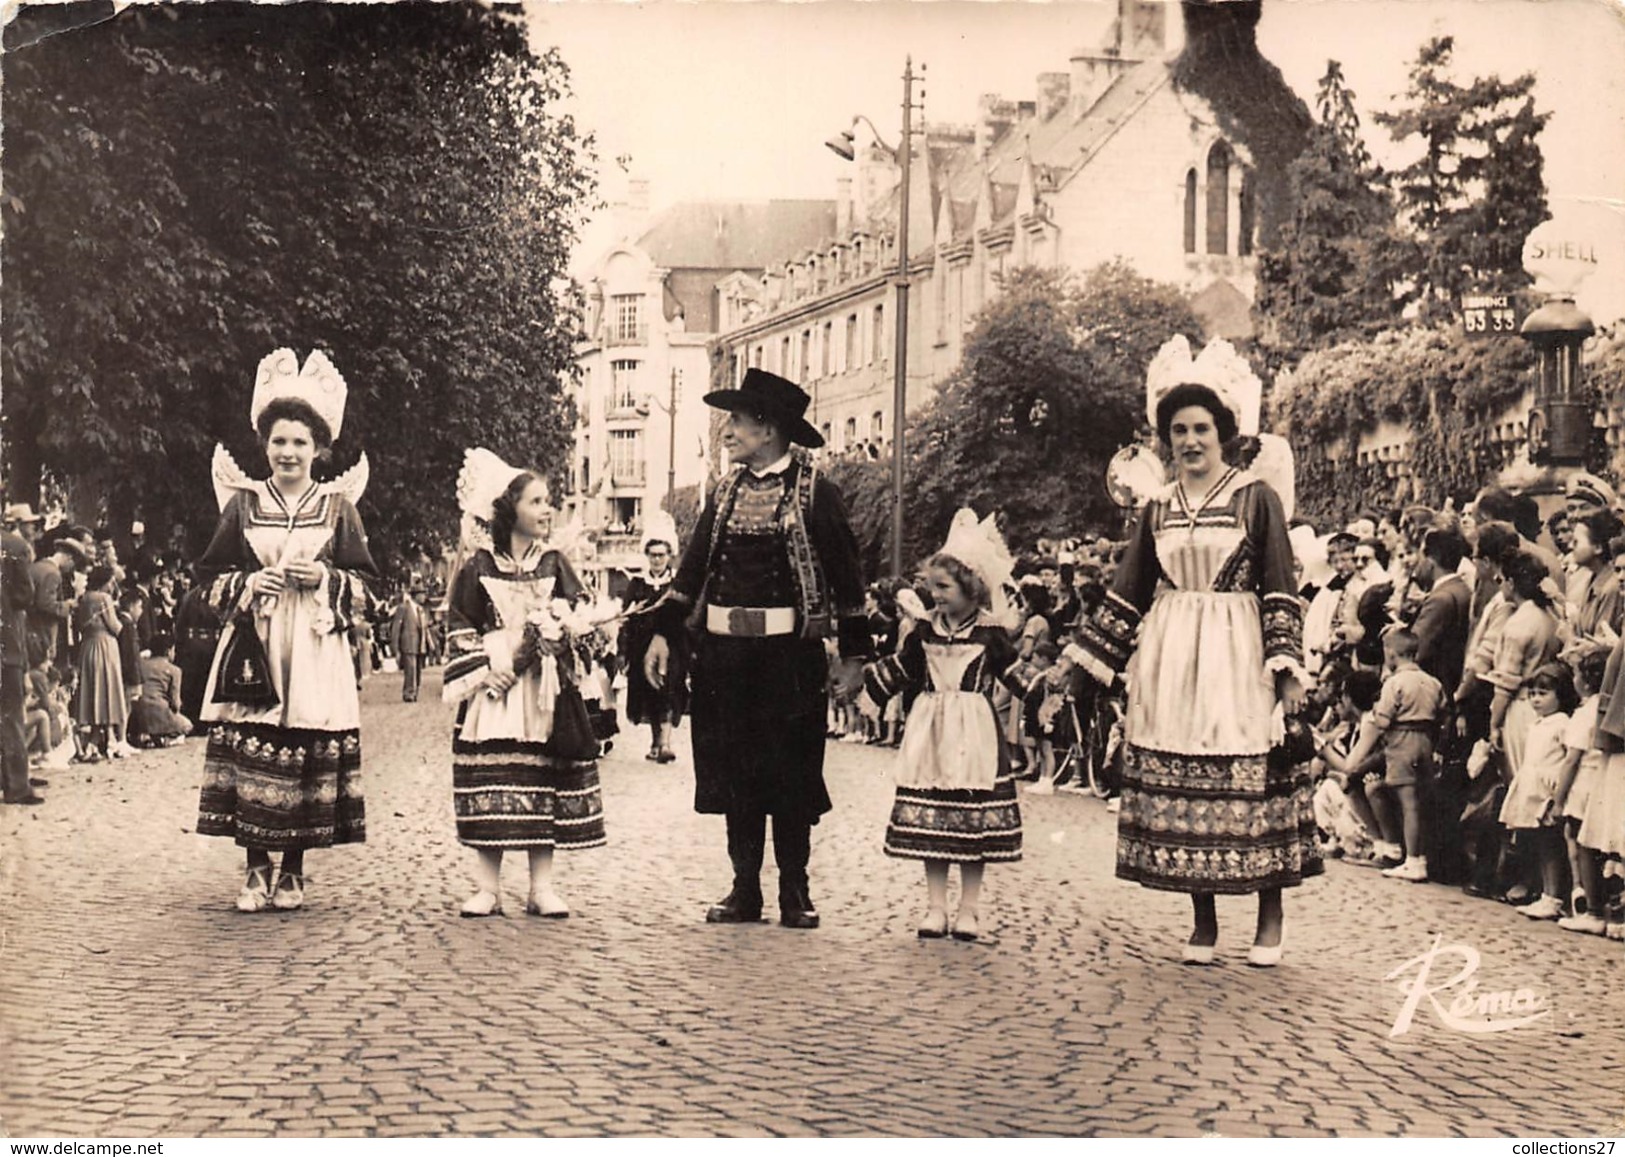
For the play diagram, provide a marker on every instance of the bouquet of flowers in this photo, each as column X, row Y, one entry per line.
column 539, row 629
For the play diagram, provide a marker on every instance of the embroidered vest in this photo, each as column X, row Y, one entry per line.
column 812, row 589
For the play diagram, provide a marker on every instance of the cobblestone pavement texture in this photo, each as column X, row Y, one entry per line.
column 137, row 1001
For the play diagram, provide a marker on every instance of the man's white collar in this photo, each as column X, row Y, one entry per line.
column 778, row 467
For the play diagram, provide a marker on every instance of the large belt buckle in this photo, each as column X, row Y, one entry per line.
column 746, row 621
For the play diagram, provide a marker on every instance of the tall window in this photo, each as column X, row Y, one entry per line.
column 628, row 316
column 627, row 514
column 877, row 335
column 625, row 385
column 1247, row 210
column 806, row 355
column 756, row 357
column 939, row 282
column 1218, row 198
column 851, row 432
column 784, row 355
column 825, row 353
column 1190, row 211
column 851, row 343
column 877, row 425
column 626, row 457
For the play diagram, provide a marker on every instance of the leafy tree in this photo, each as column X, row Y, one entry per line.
column 1477, row 189
column 1332, row 276
column 190, row 186
column 1051, row 384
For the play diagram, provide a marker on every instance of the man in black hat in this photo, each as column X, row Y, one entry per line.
column 771, row 571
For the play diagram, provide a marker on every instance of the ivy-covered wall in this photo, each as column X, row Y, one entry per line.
column 1454, row 396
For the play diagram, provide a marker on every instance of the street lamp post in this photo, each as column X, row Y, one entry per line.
column 671, row 439
column 843, row 146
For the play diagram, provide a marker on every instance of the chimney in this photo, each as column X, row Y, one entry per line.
column 632, row 213
column 1054, row 90
column 843, row 206
column 995, row 115
column 1092, row 75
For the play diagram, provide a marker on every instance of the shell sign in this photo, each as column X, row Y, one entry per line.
column 1581, row 252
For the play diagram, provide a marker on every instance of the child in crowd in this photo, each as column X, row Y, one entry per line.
column 845, row 722
column 956, row 798
column 1530, row 811
column 155, row 718
column 1043, row 692
column 1404, row 719
column 1342, row 812
column 1581, row 778
column 37, row 713
column 132, row 605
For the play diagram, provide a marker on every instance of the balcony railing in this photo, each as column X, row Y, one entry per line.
column 615, row 335
column 627, row 474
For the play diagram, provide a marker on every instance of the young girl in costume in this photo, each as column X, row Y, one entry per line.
column 524, row 755
column 956, row 796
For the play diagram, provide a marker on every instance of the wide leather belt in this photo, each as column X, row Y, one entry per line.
column 750, row 622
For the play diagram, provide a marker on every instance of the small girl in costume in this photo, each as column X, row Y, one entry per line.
column 956, row 796
column 524, row 754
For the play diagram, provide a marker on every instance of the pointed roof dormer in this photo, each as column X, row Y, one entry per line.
column 1027, row 185
column 922, row 220
column 945, row 222
column 986, row 207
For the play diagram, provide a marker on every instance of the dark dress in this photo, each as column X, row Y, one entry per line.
column 287, row 775
column 644, row 703
column 524, row 765
column 1202, row 614
column 940, row 813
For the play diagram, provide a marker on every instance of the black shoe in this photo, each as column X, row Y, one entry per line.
column 26, row 800
column 1478, row 891
column 1386, row 862
column 36, row 781
column 737, row 907
column 796, row 909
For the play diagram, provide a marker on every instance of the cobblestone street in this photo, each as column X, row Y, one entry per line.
column 138, row 1002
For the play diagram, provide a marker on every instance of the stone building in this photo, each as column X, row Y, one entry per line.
column 1144, row 150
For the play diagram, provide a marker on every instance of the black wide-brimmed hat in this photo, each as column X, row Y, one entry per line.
column 776, row 399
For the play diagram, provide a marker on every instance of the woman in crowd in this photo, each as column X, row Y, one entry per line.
column 661, row 708
column 102, row 707
column 524, row 756
column 1206, row 585
column 289, row 567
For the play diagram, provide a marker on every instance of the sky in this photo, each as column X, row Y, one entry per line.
column 733, row 99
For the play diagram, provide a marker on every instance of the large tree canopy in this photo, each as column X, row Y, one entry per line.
column 1051, row 384
column 1477, row 188
column 1331, row 276
column 190, row 186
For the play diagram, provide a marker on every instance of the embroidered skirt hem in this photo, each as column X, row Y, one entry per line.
column 510, row 793
column 1230, row 824
column 961, row 825
column 282, row 788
